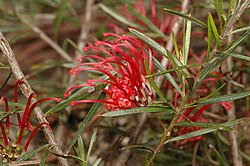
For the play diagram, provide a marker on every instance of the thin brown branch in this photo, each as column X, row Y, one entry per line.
column 27, row 90
column 195, row 149
column 231, row 114
column 45, row 38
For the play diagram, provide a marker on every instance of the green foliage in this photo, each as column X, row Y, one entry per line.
column 201, row 60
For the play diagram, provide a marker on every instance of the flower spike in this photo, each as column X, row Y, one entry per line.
column 125, row 56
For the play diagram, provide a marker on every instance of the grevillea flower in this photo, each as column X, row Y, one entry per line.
column 122, row 60
column 11, row 150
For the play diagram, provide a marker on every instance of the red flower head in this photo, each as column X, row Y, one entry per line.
column 11, row 150
column 123, row 61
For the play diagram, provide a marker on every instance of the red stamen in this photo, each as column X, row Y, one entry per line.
column 199, row 112
column 227, row 105
column 16, row 99
column 5, row 137
column 153, row 12
column 7, row 123
column 91, row 101
column 33, row 134
column 75, row 87
column 33, row 95
column 40, row 101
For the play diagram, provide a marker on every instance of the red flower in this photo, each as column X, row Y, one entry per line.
column 227, row 105
column 123, row 61
column 10, row 150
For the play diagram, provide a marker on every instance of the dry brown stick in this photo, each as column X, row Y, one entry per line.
column 233, row 136
column 45, row 38
column 27, row 90
column 195, row 149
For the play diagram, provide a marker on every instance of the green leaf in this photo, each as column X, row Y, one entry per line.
column 173, row 69
column 247, row 28
column 237, row 42
column 149, row 109
column 142, row 147
column 97, row 162
column 175, row 45
column 150, row 41
column 186, row 43
column 218, row 155
column 118, row 16
column 209, row 37
column 215, row 31
column 160, row 49
column 167, row 75
column 92, row 112
column 91, row 144
column 243, row 57
column 173, row 60
column 210, row 95
column 153, row 84
column 221, row 148
column 194, row 20
column 204, row 125
column 75, row 96
column 225, row 98
column 66, row 102
column 219, row 11
column 81, row 152
column 207, row 130
column 212, row 65
column 43, row 159
column 231, row 8
column 147, row 22
column 32, row 153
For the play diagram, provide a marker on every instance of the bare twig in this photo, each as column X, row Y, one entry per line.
column 27, row 90
column 45, row 38
column 195, row 154
column 233, row 136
